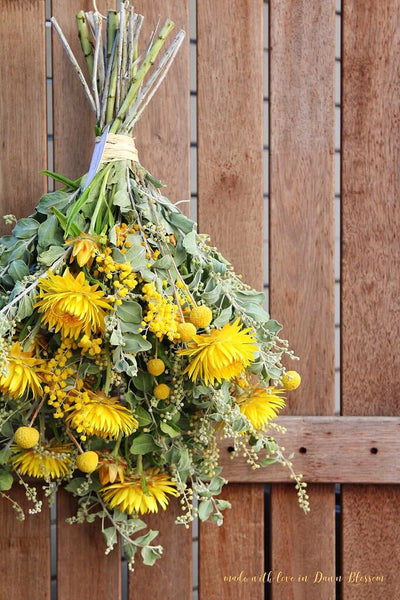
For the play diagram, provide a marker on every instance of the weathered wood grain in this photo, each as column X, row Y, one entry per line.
column 73, row 145
column 370, row 273
column 83, row 569
column 162, row 135
column 328, row 449
column 25, row 545
column 302, row 57
column 23, row 148
column 163, row 140
column 25, row 556
column 230, row 207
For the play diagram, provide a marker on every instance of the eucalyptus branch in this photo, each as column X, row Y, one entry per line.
column 74, row 63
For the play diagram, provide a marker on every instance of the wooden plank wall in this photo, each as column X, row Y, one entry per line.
column 230, row 204
column 302, row 61
column 370, row 274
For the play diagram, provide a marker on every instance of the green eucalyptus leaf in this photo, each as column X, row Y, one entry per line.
column 223, row 317
column 49, row 256
column 134, row 342
column 25, row 308
column 143, row 381
column 26, row 228
column 189, row 243
column 142, row 416
column 6, row 481
column 181, row 221
column 18, row 270
column 58, row 199
column 142, row 444
column 129, row 311
column 170, row 429
column 150, row 555
column 205, row 509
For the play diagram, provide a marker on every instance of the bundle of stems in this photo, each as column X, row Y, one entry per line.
column 117, row 90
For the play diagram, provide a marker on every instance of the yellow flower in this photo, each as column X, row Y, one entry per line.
column 71, row 305
column 220, row 354
column 20, row 373
column 111, row 468
column 97, row 414
column 291, row 380
column 50, row 461
column 84, row 248
column 141, row 494
column 260, row 405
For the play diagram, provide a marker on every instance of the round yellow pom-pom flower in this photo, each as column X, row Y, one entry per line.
column 161, row 391
column 87, row 462
column 140, row 494
column 26, row 437
column 200, row 316
column 221, row 354
column 71, row 305
column 155, row 366
column 20, row 374
column 291, row 380
column 186, row 331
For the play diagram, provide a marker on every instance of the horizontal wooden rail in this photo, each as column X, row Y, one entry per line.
column 328, row 449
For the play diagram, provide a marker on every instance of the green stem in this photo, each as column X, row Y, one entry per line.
column 115, row 451
column 140, row 75
column 107, row 382
column 112, row 66
column 85, row 40
column 139, row 465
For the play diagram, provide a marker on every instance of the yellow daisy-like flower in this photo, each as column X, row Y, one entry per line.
column 260, row 405
column 84, row 247
column 220, row 354
column 20, row 374
column 97, row 414
column 141, row 494
column 111, row 468
column 50, row 461
column 71, row 305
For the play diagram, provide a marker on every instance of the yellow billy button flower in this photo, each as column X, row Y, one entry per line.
column 71, row 305
column 291, row 380
column 26, row 437
column 87, row 461
column 161, row 391
column 97, row 414
column 84, row 247
column 20, row 373
column 140, row 495
column 260, row 405
column 51, row 461
column 200, row 316
column 186, row 331
column 221, row 354
column 155, row 366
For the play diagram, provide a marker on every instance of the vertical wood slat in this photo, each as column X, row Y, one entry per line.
column 23, row 148
column 78, row 547
column 230, row 206
column 162, row 137
column 25, row 573
column 370, row 269
column 302, row 59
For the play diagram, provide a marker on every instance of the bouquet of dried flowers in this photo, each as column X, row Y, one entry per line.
column 127, row 343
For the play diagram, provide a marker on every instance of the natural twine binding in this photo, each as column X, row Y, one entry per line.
column 119, row 147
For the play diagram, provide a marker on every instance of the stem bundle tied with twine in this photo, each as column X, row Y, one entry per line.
column 128, row 345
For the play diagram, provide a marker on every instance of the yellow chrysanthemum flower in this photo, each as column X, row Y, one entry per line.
column 220, row 354
column 111, row 468
column 260, row 405
column 141, row 494
column 71, row 305
column 84, row 247
column 99, row 415
column 50, row 461
column 20, row 373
